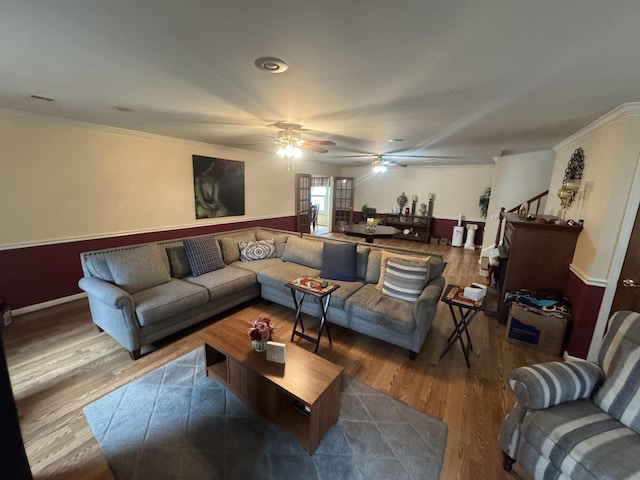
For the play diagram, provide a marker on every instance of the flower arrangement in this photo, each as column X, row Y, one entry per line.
column 261, row 330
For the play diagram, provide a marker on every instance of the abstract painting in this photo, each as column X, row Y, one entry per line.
column 218, row 187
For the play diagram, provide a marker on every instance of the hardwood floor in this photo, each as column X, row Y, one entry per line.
column 59, row 362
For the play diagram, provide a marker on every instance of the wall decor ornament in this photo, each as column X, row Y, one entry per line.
column 218, row 187
column 571, row 180
column 402, row 201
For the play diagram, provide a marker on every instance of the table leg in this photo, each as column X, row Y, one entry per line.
column 298, row 306
column 324, row 303
column 460, row 330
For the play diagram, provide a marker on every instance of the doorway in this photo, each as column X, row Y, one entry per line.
column 322, row 198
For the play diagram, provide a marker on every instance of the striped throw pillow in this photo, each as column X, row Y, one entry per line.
column 405, row 279
column 620, row 393
column 546, row 384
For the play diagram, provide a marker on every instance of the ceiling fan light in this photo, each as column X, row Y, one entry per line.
column 289, row 151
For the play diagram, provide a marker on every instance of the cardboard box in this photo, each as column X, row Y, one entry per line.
column 540, row 331
column 434, row 240
column 475, row 291
column 443, row 241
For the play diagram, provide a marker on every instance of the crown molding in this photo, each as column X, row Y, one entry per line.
column 618, row 114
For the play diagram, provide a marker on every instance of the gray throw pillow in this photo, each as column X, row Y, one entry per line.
column 203, row 254
column 339, row 262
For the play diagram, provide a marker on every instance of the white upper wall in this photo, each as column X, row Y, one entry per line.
column 516, row 179
column 457, row 189
column 611, row 150
column 64, row 180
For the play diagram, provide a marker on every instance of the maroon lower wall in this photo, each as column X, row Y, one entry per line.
column 585, row 304
column 38, row 274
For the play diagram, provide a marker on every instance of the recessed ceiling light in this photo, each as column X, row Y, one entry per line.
column 123, row 109
column 41, row 97
column 271, row 64
column 393, row 140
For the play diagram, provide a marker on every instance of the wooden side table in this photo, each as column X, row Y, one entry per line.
column 319, row 289
column 466, row 310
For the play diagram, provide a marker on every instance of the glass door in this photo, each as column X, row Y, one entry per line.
column 303, row 203
column 342, row 203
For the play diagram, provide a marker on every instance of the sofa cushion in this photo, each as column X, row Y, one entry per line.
column 373, row 266
column 178, row 262
column 405, row 279
column 229, row 245
column 225, row 281
column 385, row 258
column 577, row 440
column 284, row 272
column 436, row 267
column 98, row 267
column 280, row 240
column 257, row 250
column 171, row 298
column 304, row 252
column 257, row 265
column 203, row 254
column 139, row 268
column 362, row 261
column 619, row 395
column 370, row 303
column 339, row 261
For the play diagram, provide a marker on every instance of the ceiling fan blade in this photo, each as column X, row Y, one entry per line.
column 321, row 142
column 314, row 148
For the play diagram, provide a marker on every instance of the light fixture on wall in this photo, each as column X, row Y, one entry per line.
column 571, row 181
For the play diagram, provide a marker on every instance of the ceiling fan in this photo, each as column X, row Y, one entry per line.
column 289, row 138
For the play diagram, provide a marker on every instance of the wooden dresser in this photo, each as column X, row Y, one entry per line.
column 419, row 226
column 535, row 256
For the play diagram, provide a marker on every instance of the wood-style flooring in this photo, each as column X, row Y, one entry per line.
column 59, row 362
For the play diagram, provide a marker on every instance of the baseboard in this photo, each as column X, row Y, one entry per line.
column 51, row 303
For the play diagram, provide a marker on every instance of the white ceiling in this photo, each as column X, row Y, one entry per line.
column 461, row 79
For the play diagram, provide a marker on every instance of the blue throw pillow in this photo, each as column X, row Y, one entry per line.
column 339, row 262
column 203, row 254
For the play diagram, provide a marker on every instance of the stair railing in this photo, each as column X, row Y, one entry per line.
column 528, row 204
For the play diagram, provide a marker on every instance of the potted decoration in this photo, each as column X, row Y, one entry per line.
column 367, row 211
column 260, row 333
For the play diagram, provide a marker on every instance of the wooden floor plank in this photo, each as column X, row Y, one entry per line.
column 59, row 362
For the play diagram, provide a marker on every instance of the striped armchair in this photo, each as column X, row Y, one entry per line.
column 579, row 420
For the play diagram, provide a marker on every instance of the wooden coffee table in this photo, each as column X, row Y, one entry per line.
column 301, row 396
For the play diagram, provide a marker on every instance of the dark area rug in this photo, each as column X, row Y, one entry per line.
column 175, row 423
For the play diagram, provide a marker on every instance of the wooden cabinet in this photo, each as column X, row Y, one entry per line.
column 534, row 256
column 419, row 227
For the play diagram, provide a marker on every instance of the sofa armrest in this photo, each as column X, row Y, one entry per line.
column 425, row 308
column 547, row 384
column 106, row 292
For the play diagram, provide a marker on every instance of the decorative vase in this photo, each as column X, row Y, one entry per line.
column 259, row 346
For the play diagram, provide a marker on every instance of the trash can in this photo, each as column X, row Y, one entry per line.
column 458, row 235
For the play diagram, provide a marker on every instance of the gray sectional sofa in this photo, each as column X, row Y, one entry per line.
column 139, row 294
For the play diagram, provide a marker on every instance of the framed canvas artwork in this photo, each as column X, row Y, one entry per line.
column 218, row 187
